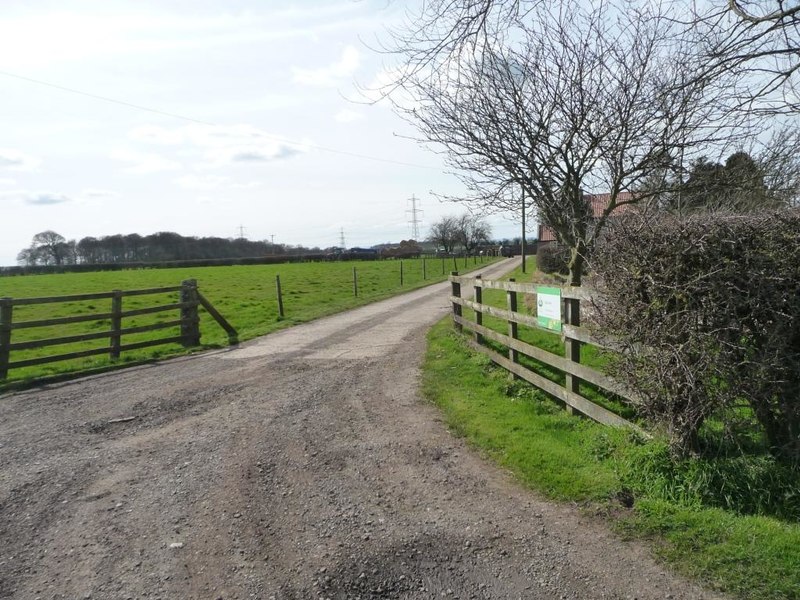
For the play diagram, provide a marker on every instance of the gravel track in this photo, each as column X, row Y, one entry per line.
column 301, row 465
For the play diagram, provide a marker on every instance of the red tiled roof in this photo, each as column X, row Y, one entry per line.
column 598, row 202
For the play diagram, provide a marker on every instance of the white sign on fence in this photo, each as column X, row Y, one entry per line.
column 548, row 307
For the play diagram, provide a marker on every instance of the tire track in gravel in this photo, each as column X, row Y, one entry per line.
column 300, row 465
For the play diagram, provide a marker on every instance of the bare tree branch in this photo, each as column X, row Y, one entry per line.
column 572, row 97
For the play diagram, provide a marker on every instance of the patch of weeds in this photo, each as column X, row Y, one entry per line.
column 745, row 484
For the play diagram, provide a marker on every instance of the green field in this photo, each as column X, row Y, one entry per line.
column 245, row 295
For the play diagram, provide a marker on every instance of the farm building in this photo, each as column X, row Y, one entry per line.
column 598, row 202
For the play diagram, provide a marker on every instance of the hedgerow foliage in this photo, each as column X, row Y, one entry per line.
column 707, row 310
column 553, row 258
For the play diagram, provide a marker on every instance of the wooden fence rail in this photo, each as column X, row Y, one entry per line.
column 190, row 299
column 572, row 334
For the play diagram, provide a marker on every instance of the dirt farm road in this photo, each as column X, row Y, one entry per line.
column 301, row 465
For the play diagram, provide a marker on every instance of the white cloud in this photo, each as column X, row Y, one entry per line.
column 144, row 163
column 38, row 37
column 228, row 63
column 297, row 12
column 15, row 160
column 348, row 116
column 248, row 185
column 264, row 153
column 208, row 136
column 219, row 146
column 70, row 36
column 98, row 193
column 95, row 197
column 152, row 134
column 201, row 182
column 260, row 153
column 36, row 198
column 214, row 200
column 202, row 136
column 331, row 75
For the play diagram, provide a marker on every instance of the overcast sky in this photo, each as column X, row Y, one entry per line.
column 266, row 90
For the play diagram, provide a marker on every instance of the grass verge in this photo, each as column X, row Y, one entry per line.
column 569, row 458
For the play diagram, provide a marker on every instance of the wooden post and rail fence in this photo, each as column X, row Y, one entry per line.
column 188, row 319
column 572, row 334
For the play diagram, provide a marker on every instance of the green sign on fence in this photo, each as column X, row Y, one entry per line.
column 548, row 307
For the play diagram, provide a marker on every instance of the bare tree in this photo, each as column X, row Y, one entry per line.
column 29, row 257
column 436, row 39
column 758, row 36
column 471, row 232
column 757, row 39
column 571, row 97
column 443, row 29
column 444, row 233
column 775, row 12
column 779, row 160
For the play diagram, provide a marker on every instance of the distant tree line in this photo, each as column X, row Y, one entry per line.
column 51, row 248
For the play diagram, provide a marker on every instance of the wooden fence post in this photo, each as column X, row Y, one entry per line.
column 455, row 264
column 190, row 319
column 355, row 283
column 280, row 296
column 572, row 348
column 6, row 316
column 424, row 270
column 115, row 340
column 479, row 299
column 443, row 265
column 511, row 302
column 401, row 273
column 456, row 291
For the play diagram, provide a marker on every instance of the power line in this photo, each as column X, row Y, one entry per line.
column 416, row 215
column 172, row 115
